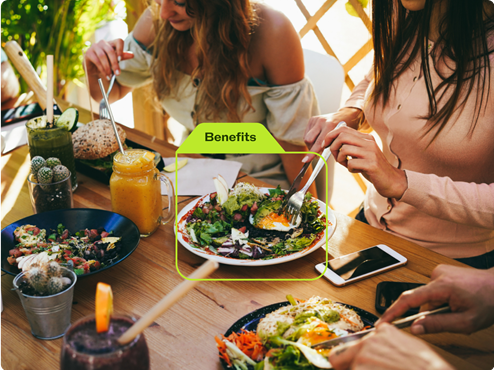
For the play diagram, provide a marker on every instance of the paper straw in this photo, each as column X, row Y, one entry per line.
column 102, row 88
column 169, row 300
column 49, row 90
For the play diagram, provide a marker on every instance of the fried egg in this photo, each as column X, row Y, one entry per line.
column 274, row 221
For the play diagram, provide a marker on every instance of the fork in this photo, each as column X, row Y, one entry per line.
column 294, row 204
column 103, row 110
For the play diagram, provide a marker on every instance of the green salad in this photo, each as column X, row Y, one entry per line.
column 250, row 224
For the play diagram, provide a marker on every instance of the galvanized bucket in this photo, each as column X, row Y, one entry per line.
column 48, row 316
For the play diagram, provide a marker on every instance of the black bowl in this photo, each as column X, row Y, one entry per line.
column 251, row 320
column 75, row 219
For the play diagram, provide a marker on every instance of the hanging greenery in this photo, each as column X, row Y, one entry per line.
column 57, row 27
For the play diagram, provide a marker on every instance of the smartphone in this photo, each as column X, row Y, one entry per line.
column 387, row 292
column 360, row 265
column 24, row 113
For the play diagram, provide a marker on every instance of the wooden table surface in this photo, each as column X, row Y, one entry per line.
column 183, row 337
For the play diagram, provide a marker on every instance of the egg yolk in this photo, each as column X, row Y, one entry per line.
column 268, row 221
column 320, row 334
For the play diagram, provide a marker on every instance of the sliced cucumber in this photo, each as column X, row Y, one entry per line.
column 68, row 119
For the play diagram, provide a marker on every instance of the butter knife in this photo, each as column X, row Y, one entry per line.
column 402, row 323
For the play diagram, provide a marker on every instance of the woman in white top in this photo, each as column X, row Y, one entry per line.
column 217, row 61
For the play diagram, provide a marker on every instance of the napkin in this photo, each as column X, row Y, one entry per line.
column 13, row 136
column 196, row 177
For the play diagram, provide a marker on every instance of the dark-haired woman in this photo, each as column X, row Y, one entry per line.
column 217, row 61
column 430, row 97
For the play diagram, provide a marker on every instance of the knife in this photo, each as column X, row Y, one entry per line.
column 402, row 323
column 302, row 172
column 295, row 184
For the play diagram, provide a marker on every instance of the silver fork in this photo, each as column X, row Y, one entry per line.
column 103, row 110
column 294, row 204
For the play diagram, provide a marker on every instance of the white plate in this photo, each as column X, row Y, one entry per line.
column 182, row 216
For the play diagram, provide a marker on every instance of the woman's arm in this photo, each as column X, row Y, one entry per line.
column 460, row 202
column 278, row 47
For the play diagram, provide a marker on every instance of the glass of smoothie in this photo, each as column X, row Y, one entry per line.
column 135, row 187
column 52, row 142
column 85, row 349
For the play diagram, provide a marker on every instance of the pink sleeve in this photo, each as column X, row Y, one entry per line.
column 460, row 202
column 357, row 98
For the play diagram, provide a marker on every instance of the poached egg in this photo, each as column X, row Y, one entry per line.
column 274, row 221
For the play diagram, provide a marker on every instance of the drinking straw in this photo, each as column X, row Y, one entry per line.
column 169, row 300
column 49, row 91
column 102, row 88
column 87, row 79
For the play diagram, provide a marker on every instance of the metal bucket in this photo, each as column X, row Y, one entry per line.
column 48, row 316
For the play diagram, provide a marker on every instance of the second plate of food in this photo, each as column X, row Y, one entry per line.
column 44, row 233
column 317, row 315
column 234, row 246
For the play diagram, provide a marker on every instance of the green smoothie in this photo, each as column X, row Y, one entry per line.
column 53, row 142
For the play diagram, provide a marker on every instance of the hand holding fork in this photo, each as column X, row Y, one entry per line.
column 294, row 202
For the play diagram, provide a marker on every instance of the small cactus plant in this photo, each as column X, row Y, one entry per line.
column 52, row 162
column 46, row 278
column 38, row 278
column 36, row 163
column 60, row 173
column 45, row 175
column 54, row 285
column 53, row 269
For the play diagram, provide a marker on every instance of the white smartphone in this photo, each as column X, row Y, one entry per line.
column 360, row 265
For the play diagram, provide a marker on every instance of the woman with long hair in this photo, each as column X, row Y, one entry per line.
column 217, row 61
column 430, row 98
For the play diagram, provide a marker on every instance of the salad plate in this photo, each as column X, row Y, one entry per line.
column 75, row 219
column 250, row 321
column 184, row 238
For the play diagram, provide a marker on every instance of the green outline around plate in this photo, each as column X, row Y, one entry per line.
column 253, row 149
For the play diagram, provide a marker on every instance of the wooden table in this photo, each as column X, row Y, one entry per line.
column 183, row 337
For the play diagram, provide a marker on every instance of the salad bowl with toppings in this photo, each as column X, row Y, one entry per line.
column 245, row 226
column 285, row 335
column 86, row 240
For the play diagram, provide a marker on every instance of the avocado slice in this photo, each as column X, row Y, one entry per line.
column 219, row 241
column 265, row 209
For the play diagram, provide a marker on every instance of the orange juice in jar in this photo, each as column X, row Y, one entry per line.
column 135, row 187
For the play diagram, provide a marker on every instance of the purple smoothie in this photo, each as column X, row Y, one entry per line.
column 84, row 349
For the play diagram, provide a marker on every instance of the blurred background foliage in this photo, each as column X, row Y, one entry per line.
column 61, row 28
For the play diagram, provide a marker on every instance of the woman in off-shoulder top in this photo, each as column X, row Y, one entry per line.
column 430, row 98
column 217, row 61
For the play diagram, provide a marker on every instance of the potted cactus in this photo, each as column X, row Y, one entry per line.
column 46, row 292
column 49, row 184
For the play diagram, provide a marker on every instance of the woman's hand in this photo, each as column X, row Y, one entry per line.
column 469, row 292
column 387, row 348
column 359, row 153
column 319, row 126
column 102, row 58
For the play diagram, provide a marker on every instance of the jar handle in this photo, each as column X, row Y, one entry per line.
column 171, row 199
